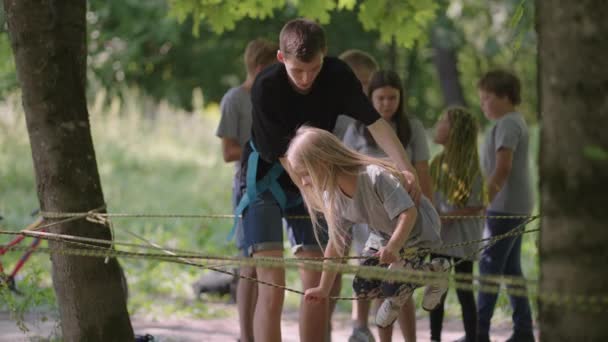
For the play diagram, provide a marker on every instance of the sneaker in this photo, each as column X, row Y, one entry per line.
column 361, row 334
column 389, row 309
column 434, row 291
column 144, row 338
column 521, row 337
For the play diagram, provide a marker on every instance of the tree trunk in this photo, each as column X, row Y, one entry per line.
column 409, row 76
column 573, row 74
column 446, row 63
column 391, row 55
column 48, row 38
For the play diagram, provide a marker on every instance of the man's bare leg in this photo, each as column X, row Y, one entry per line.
column 246, row 297
column 269, row 306
column 314, row 316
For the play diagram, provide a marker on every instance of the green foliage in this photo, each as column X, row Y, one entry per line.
column 8, row 77
column 33, row 299
column 136, row 44
column 221, row 15
column 595, row 152
column 405, row 21
column 485, row 35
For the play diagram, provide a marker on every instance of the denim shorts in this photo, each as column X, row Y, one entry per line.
column 263, row 223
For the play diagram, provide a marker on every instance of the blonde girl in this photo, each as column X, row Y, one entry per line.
column 347, row 187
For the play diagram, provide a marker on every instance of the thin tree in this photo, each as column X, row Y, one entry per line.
column 573, row 74
column 48, row 39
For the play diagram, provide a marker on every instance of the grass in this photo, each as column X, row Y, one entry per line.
column 152, row 159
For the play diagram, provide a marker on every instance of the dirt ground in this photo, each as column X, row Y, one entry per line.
column 225, row 329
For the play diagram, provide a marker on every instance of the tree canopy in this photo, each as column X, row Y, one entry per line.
column 170, row 48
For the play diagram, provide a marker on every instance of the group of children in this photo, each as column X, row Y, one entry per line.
column 368, row 185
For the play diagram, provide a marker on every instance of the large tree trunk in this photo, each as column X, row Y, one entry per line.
column 48, row 38
column 573, row 74
column 446, row 63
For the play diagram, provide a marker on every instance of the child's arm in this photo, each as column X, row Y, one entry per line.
column 387, row 139
column 231, row 149
column 390, row 253
column 327, row 277
column 504, row 162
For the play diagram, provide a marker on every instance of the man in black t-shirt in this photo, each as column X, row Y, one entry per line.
column 306, row 87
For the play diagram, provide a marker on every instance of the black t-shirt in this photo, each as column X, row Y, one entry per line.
column 279, row 110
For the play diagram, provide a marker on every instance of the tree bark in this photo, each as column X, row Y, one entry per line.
column 391, row 55
column 573, row 74
column 446, row 63
column 48, row 39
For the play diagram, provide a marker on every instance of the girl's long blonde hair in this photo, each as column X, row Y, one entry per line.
column 321, row 156
column 456, row 168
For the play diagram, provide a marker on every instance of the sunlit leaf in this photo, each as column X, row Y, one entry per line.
column 595, row 152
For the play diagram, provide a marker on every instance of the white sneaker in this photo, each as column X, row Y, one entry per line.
column 389, row 309
column 435, row 290
column 387, row 313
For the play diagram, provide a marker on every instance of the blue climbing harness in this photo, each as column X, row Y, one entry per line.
column 255, row 188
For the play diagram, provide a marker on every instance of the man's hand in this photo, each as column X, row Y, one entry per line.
column 412, row 186
column 316, row 294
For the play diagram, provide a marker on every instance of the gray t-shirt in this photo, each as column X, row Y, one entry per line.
column 465, row 229
column 417, row 149
column 235, row 122
column 342, row 125
column 379, row 200
column 510, row 132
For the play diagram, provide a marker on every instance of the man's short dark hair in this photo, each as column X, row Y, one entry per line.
column 501, row 83
column 303, row 39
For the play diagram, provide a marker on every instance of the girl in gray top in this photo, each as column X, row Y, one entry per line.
column 347, row 187
column 387, row 95
column 459, row 191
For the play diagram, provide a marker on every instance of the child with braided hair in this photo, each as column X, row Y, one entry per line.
column 459, row 191
column 347, row 187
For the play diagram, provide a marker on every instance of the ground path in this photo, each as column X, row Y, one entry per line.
column 225, row 329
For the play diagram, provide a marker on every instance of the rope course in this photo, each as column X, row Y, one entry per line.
column 96, row 213
column 90, row 247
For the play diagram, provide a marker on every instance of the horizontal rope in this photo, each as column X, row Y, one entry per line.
column 380, row 273
column 60, row 215
column 417, row 277
column 410, row 252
